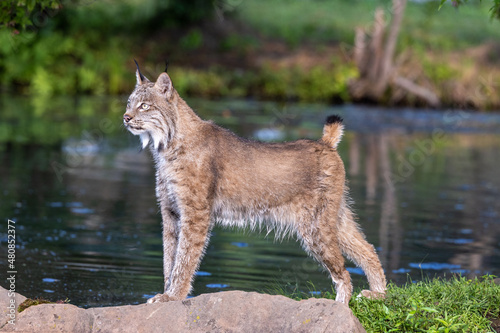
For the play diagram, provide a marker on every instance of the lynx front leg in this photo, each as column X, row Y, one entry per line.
column 170, row 241
column 193, row 236
column 170, row 225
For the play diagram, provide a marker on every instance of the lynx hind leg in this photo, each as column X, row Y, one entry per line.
column 363, row 254
column 324, row 248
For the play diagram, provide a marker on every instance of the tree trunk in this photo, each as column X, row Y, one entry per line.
column 377, row 72
column 398, row 8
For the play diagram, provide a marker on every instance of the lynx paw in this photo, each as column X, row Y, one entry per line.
column 159, row 298
column 371, row 294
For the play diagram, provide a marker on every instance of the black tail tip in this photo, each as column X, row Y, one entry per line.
column 333, row 119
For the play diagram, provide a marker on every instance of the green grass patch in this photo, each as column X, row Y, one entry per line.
column 438, row 305
column 334, row 21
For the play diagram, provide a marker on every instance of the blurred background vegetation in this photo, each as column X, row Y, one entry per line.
column 266, row 49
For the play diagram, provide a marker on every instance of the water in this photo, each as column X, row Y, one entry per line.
column 425, row 187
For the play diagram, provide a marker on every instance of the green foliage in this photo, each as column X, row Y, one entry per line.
column 201, row 83
column 192, row 40
column 318, row 84
column 189, row 11
column 494, row 10
column 17, row 15
column 87, row 47
column 276, row 83
column 323, row 85
column 31, row 14
column 58, row 64
column 240, row 44
column 439, row 71
column 83, row 48
column 456, row 305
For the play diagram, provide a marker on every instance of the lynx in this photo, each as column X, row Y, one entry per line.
column 207, row 175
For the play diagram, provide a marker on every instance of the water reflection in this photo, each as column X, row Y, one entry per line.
column 378, row 170
column 425, row 187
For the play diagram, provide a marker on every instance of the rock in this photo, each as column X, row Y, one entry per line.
column 5, row 302
column 231, row 311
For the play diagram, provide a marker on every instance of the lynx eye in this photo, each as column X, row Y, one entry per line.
column 144, row 106
column 128, row 104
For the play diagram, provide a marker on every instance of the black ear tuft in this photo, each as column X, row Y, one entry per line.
column 334, row 119
column 166, row 66
column 138, row 70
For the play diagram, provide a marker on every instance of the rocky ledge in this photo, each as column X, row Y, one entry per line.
column 231, row 311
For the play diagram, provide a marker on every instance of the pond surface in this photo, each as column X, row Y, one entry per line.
column 425, row 185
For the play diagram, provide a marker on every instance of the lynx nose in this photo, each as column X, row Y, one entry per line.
column 127, row 118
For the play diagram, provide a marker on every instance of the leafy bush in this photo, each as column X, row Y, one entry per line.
column 57, row 64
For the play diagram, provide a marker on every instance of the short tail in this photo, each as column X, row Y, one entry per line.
column 333, row 130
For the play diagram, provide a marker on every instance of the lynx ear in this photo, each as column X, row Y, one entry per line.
column 164, row 85
column 140, row 78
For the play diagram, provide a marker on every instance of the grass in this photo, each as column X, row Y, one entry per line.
column 438, row 305
column 327, row 21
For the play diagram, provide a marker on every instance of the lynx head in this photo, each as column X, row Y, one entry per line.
column 151, row 110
